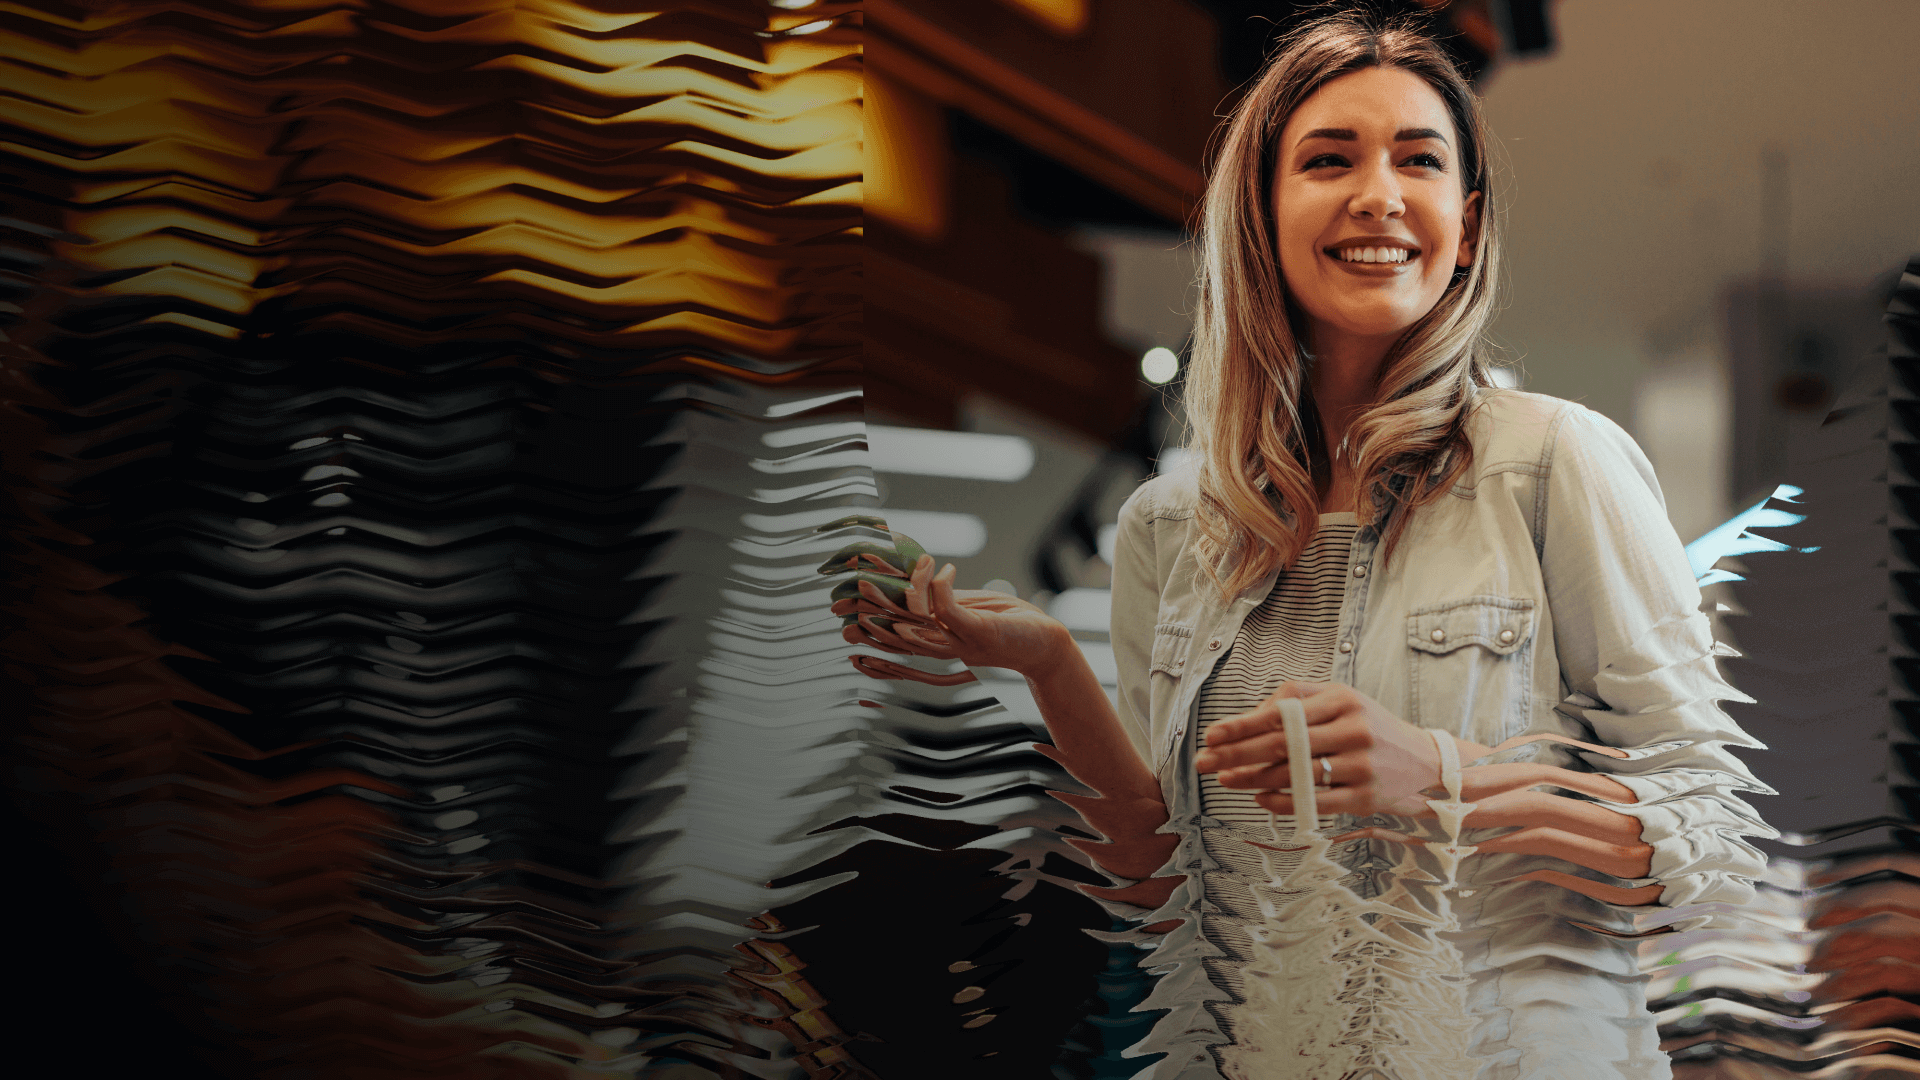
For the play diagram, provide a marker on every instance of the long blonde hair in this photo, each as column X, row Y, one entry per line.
column 1250, row 415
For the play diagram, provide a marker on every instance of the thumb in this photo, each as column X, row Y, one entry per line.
column 951, row 613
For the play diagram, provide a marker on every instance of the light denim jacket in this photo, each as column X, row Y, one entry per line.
column 1546, row 592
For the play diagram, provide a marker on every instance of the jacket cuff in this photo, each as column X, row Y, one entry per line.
column 1695, row 861
column 1174, row 908
column 1123, row 911
column 1120, row 909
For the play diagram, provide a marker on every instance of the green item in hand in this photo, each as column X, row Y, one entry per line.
column 887, row 567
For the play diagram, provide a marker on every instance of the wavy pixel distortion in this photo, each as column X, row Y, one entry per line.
column 419, row 417
column 1818, row 976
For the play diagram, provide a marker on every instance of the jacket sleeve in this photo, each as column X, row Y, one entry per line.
column 1638, row 658
column 1136, row 606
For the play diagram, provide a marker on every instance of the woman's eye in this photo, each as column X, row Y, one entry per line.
column 1431, row 161
column 1325, row 160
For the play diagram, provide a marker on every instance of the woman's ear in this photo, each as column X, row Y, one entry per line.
column 1470, row 231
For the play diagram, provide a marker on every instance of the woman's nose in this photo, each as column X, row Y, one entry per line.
column 1378, row 196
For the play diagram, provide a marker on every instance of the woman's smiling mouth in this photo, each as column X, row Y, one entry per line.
column 1373, row 254
column 1373, row 260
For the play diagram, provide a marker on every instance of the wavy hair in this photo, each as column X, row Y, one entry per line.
column 1251, row 419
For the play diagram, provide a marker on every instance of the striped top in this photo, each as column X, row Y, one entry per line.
column 1291, row 635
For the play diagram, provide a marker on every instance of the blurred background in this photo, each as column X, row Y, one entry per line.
column 1707, row 205
column 421, row 414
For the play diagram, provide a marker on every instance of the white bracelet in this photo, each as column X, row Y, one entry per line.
column 1451, row 811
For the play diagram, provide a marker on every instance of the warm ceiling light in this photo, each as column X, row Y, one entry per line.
column 1067, row 17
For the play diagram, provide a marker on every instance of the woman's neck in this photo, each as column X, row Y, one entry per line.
column 1345, row 379
column 1337, row 490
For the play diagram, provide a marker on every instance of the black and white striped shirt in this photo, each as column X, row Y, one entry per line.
column 1291, row 635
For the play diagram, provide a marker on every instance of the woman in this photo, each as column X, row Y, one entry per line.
column 1372, row 528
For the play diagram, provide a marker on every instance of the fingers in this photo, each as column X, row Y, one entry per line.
column 882, row 607
column 1334, row 736
column 1542, row 809
column 1349, row 770
column 1619, row 860
column 874, row 667
column 940, row 593
column 928, row 643
column 902, row 637
column 1340, row 800
column 888, row 608
column 1479, row 783
column 857, row 635
column 1609, row 894
column 1594, row 784
column 917, row 597
column 883, row 636
column 1522, row 740
column 868, row 630
column 1319, row 705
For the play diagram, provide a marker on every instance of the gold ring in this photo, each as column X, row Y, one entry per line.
column 1326, row 770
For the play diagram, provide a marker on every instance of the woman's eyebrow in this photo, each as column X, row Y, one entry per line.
column 1348, row 135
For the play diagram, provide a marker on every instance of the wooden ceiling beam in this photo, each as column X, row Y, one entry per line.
column 947, row 69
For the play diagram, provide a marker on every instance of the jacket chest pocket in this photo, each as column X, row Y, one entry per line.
column 1472, row 667
column 1165, row 665
column 1170, row 642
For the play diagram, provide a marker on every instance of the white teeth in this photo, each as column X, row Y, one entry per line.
column 1375, row 255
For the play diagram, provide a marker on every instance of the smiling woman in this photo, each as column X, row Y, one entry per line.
column 1468, row 600
column 1379, row 202
column 1372, row 225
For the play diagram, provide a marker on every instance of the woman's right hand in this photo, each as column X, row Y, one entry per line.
column 976, row 627
column 990, row 629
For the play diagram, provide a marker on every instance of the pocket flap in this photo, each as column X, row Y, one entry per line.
column 1170, row 642
column 1492, row 622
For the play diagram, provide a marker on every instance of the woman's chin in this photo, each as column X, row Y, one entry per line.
column 1367, row 323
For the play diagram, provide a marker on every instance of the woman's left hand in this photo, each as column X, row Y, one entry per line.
column 1573, row 830
column 1381, row 763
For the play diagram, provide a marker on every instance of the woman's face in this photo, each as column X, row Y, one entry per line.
column 1369, row 216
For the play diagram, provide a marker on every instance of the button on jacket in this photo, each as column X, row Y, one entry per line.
column 1544, row 593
